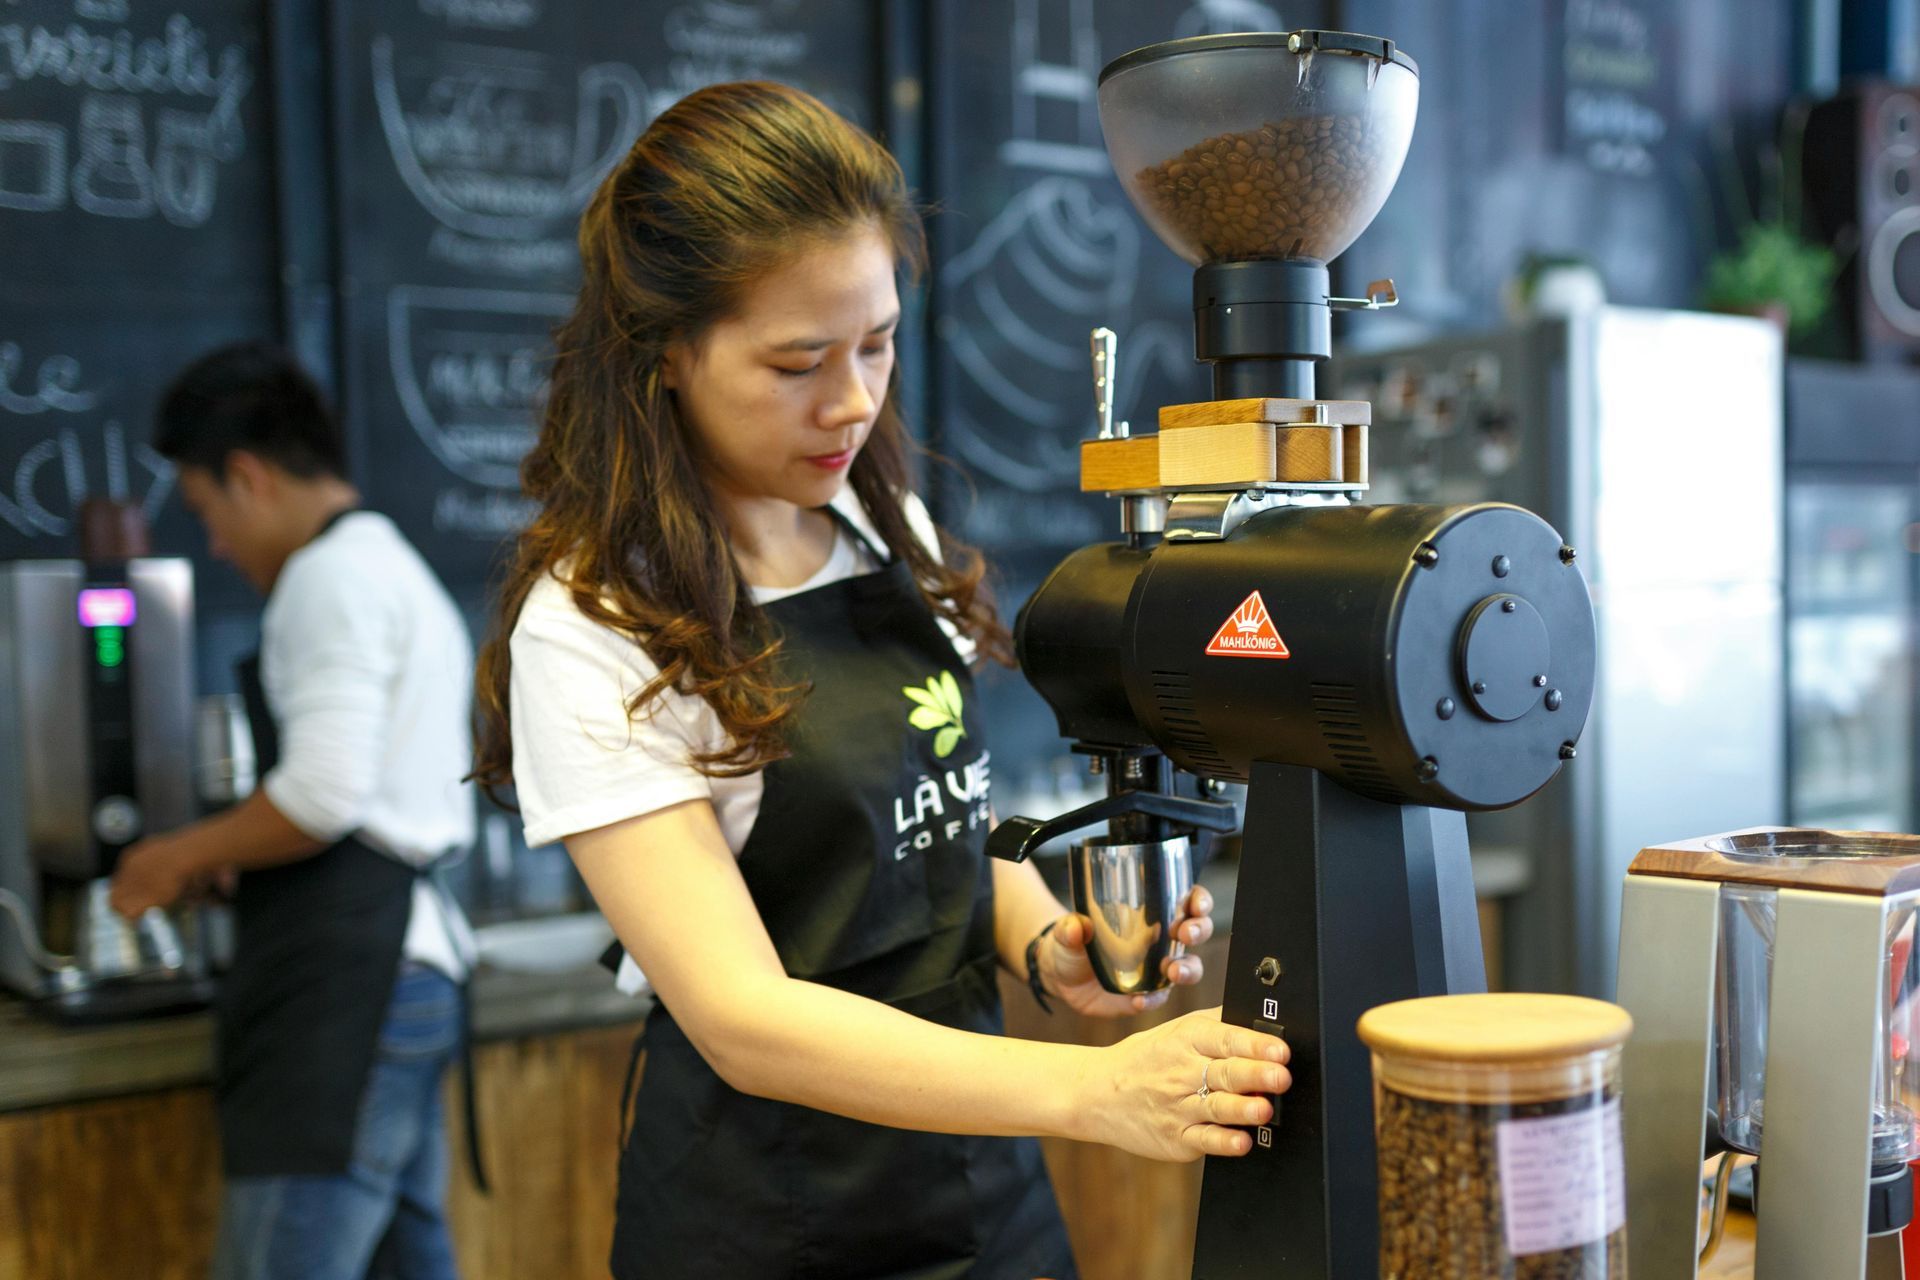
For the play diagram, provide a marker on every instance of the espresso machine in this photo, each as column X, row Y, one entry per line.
column 1771, row 980
column 1370, row 672
column 96, row 750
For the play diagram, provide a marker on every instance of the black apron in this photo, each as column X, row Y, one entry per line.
column 317, row 947
column 867, row 863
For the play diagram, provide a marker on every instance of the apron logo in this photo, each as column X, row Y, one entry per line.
column 1249, row 633
column 937, row 709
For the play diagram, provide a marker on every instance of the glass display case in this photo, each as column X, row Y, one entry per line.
column 1852, row 524
column 1850, row 653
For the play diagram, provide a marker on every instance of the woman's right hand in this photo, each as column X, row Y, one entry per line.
column 1143, row 1094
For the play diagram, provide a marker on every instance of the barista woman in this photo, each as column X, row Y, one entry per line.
column 731, row 674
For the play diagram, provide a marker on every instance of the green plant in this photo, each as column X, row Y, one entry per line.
column 1773, row 265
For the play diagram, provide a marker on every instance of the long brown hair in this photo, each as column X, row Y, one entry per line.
column 725, row 185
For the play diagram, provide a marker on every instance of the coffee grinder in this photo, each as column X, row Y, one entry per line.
column 1769, row 974
column 1371, row 672
column 96, row 750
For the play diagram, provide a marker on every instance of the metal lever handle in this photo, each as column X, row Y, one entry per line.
column 1105, row 345
column 1380, row 293
column 1015, row 839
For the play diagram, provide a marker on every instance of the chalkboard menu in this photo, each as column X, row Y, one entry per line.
column 1037, row 245
column 1597, row 129
column 472, row 133
column 136, row 231
column 1615, row 83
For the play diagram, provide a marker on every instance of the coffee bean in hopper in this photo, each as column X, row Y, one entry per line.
column 1289, row 189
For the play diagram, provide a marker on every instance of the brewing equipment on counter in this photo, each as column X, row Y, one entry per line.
column 96, row 736
column 1769, row 973
column 1371, row 672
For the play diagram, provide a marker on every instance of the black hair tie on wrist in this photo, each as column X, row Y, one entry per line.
column 1033, row 968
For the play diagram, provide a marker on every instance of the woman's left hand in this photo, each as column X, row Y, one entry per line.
column 1067, row 974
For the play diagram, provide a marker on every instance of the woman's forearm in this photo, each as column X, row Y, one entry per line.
column 1022, row 906
column 834, row 1051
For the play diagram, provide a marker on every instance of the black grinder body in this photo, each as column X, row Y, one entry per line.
column 1439, row 656
column 1371, row 673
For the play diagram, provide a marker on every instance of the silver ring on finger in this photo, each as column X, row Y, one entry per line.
column 1204, row 1089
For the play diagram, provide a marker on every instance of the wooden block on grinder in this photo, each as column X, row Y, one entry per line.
column 1354, row 447
column 1206, row 413
column 1310, row 455
column 1226, row 453
column 1108, row 466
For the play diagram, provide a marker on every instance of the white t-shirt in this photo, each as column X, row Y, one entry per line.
column 367, row 669
column 580, row 763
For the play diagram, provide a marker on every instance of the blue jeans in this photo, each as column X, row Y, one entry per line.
column 384, row 1218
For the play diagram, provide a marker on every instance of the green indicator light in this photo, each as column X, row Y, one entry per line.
column 110, row 646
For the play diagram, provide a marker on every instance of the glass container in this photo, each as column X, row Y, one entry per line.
column 1745, row 978
column 1497, row 1124
column 1262, row 145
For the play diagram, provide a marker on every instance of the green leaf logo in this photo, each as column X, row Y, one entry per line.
column 937, row 708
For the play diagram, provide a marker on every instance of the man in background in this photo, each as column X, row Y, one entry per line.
column 343, row 1005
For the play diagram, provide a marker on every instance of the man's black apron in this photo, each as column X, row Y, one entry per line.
column 317, row 947
column 867, row 863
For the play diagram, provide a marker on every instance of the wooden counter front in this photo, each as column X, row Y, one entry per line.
column 130, row 1187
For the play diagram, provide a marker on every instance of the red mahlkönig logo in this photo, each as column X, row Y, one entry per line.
column 1249, row 633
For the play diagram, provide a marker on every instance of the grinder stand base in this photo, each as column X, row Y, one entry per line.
column 1342, row 904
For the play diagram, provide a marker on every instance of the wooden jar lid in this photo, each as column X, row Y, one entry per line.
column 1501, row 1047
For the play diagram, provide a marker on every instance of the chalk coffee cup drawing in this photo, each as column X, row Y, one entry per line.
column 1056, row 261
column 470, row 367
column 492, row 146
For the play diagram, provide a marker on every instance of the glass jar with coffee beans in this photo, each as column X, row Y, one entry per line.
column 1497, row 1120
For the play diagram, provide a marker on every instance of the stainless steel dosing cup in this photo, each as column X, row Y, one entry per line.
column 1134, row 894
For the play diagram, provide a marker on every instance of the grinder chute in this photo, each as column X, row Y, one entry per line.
column 1371, row 672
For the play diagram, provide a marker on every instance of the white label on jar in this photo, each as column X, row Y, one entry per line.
column 1562, row 1180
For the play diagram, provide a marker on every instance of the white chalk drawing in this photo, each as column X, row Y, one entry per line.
column 1218, row 17
column 470, row 367
column 33, row 166
column 1055, row 262
column 491, row 15
column 486, row 141
column 102, row 10
column 1063, row 256
column 1055, row 78
column 541, row 260
column 56, row 385
column 186, row 168
column 112, row 177
column 178, row 61
column 58, row 472
column 115, row 174
column 712, row 41
column 486, row 514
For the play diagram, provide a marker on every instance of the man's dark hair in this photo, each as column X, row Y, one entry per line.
column 251, row 396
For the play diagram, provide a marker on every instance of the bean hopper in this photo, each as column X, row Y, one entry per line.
column 1769, row 974
column 1371, row 672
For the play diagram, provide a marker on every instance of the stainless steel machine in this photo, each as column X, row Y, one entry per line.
column 1370, row 671
column 1770, row 976
column 96, row 751
column 1579, row 418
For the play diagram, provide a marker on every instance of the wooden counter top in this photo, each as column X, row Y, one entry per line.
column 45, row 1064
